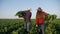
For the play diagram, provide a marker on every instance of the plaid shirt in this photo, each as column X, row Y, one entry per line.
column 27, row 16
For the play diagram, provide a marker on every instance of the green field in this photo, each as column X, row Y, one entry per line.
column 15, row 26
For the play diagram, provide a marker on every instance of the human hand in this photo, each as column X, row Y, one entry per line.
column 36, row 25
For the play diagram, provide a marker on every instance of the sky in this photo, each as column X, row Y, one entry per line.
column 8, row 8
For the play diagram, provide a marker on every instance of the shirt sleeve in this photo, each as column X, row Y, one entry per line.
column 30, row 14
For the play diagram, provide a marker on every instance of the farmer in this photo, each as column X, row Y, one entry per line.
column 27, row 19
column 40, row 20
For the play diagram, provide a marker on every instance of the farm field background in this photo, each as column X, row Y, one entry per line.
column 15, row 26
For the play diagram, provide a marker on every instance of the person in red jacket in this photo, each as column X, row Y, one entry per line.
column 40, row 19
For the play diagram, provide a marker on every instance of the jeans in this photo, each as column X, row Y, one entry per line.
column 41, row 27
column 26, row 26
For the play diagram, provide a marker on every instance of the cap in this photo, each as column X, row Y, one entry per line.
column 28, row 8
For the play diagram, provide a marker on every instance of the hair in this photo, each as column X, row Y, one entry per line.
column 39, row 12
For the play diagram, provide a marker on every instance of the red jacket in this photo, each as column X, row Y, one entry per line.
column 40, row 18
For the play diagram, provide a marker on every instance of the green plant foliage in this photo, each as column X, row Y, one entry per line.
column 15, row 26
column 20, row 13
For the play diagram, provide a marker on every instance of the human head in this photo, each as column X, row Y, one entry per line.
column 39, row 9
column 29, row 9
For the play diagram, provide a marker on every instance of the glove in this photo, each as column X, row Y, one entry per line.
column 36, row 25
